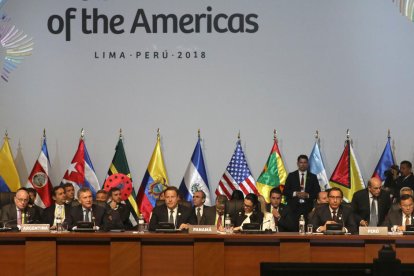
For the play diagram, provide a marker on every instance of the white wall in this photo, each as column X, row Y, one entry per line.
column 321, row 64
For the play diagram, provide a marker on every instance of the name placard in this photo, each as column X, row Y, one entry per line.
column 372, row 230
column 35, row 228
column 202, row 229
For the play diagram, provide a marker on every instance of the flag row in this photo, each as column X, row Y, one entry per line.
column 237, row 175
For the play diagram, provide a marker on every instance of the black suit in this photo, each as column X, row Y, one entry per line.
column 161, row 214
column 98, row 213
column 403, row 182
column 344, row 216
column 48, row 215
column 286, row 222
column 255, row 217
column 9, row 213
column 207, row 218
column 361, row 206
column 293, row 185
column 124, row 212
column 395, row 217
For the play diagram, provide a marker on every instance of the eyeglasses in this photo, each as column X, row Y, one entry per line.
column 22, row 200
column 248, row 206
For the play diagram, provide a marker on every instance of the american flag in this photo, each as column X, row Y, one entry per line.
column 237, row 176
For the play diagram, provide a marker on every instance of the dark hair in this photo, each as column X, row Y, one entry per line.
column 237, row 194
column 31, row 190
column 172, row 188
column 65, row 185
column 303, row 156
column 335, row 189
column 54, row 190
column 408, row 163
column 102, row 192
column 253, row 198
column 275, row 190
column 405, row 197
column 221, row 199
column 113, row 189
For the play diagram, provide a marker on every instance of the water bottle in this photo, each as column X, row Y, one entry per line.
column 302, row 225
column 227, row 224
column 58, row 224
column 141, row 223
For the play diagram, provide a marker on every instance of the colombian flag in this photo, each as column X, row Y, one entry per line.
column 9, row 177
column 347, row 175
column 155, row 181
column 273, row 174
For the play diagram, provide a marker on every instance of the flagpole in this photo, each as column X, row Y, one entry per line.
column 82, row 134
column 120, row 134
column 317, row 136
column 43, row 137
column 275, row 135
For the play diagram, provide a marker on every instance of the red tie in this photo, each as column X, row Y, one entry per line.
column 219, row 221
column 302, row 182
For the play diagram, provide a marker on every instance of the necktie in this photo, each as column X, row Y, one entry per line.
column 373, row 216
column 198, row 215
column 302, row 182
column 87, row 211
column 219, row 223
column 407, row 219
column 19, row 217
column 334, row 217
column 171, row 219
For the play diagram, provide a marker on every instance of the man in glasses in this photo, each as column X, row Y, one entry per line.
column 371, row 205
column 334, row 212
column 17, row 213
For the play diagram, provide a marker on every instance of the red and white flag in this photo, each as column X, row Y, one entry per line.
column 39, row 178
column 237, row 175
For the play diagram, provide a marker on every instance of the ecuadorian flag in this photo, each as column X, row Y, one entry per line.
column 273, row 174
column 154, row 182
column 9, row 177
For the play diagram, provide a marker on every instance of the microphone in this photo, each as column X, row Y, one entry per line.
column 5, row 222
column 94, row 225
column 261, row 226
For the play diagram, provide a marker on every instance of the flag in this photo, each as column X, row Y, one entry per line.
column 119, row 176
column 347, row 175
column 317, row 167
column 154, row 182
column 237, row 175
column 9, row 177
column 81, row 172
column 195, row 177
column 385, row 162
column 273, row 174
column 39, row 178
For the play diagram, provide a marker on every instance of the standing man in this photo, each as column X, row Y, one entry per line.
column 15, row 214
column 201, row 213
column 282, row 214
column 58, row 210
column 301, row 188
column 70, row 195
column 171, row 212
column 334, row 212
column 401, row 217
column 406, row 179
column 371, row 205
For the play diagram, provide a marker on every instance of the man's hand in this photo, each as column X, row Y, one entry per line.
column 363, row 223
column 184, row 226
column 113, row 204
column 276, row 213
column 302, row 195
column 323, row 228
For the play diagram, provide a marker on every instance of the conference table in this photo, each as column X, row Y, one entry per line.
column 130, row 253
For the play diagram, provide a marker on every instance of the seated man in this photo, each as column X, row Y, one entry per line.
column 201, row 213
column 57, row 210
column 401, row 217
column 282, row 215
column 32, row 200
column 171, row 212
column 89, row 212
column 116, row 205
column 102, row 196
column 321, row 199
column 70, row 195
column 334, row 212
column 404, row 191
column 219, row 210
column 15, row 214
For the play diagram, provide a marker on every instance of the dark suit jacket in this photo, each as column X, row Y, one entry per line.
column 256, row 217
column 394, row 217
column 160, row 214
column 401, row 182
column 98, row 212
column 48, row 215
column 361, row 206
column 9, row 213
column 345, row 216
column 208, row 217
column 293, row 185
column 287, row 221
column 123, row 212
